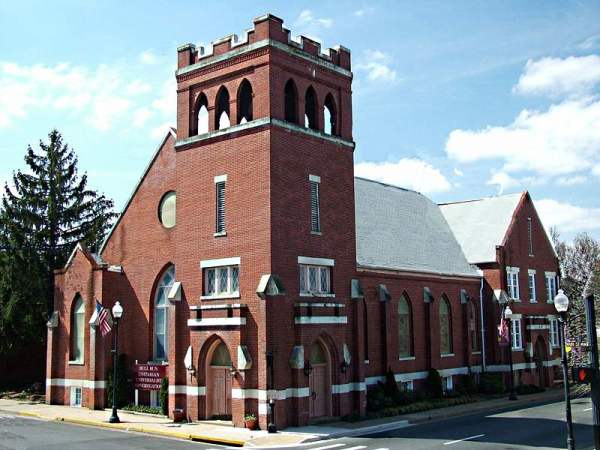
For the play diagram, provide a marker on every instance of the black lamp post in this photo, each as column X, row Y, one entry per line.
column 511, row 385
column 561, row 303
column 117, row 312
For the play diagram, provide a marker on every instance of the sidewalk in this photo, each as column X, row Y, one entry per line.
column 220, row 434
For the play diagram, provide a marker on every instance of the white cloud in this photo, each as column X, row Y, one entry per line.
column 377, row 66
column 571, row 181
column 503, row 181
column 138, row 87
column 98, row 94
column 562, row 140
column 410, row 173
column 555, row 77
column 148, row 57
column 568, row 217
column 459, row 173
column 307, row 19
column 167, row 102
column 160, row 131
column 363, row 11
column 590, row 42
column 140, row 116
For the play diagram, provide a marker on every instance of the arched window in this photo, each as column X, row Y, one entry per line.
column 201, row 115
column 77, row 329
column 404, row 328
column 445, row 327
column 221, row 356
column 365, row 330
column 310, row 109
column 244, row 103
column 291, row 102
column 473, row 326
column 222, row 109
column 330, row 115
column 161, row 315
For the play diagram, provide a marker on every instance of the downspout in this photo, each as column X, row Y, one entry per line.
column 483, row 346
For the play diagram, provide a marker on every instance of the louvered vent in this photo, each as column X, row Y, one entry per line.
column 315, row 219
column 220, row 214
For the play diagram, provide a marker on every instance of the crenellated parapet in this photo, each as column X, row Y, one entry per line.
column 268, row 30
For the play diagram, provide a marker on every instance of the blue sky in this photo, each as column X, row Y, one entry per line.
column 458, row 100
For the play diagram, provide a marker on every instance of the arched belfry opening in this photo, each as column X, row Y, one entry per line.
column 244, row 103
column 330, row 116
column 222, row 109
column 310, row 108
column 199, row 123
column 291, row 102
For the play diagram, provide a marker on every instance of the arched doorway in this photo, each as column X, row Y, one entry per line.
column 320, row 380
column 218, row 382
column 539, row 356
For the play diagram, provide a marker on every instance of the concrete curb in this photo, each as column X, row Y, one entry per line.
column 138, row 429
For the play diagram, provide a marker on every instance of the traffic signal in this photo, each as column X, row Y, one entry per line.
column 583, row 375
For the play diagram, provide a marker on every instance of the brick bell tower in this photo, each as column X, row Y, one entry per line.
column 264, row 132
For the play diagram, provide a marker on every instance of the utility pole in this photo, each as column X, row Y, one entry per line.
column 590, row 315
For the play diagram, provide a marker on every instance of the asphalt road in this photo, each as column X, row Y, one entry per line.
column 539, row 427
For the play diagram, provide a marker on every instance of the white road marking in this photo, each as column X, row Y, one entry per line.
column 588, row 409
column 382, row 448
column 328, row 446
column 358, row 447
column 464, row 439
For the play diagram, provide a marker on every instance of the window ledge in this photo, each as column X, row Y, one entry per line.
column 406, row 358
column 475, row 353
column 219, row 297
column 220, row 234
column 515, row 349
column 532, row 301
column 447, row 355
column 316, row 233
column 308, row 294
column 366, row 361
column 77, row 363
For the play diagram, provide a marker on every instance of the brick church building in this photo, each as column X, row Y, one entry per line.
column 252, row 263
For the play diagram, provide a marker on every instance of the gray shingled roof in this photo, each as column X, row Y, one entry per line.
column 400, row 229
column 480, row 225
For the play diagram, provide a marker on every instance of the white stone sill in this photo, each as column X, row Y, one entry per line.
column 219, row 297
column 447, row 355
column 406, row 358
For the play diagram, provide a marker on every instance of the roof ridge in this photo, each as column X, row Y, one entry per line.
column 388, row 184
column 489, row 197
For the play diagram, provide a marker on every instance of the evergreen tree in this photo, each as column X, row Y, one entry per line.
column 42, row 218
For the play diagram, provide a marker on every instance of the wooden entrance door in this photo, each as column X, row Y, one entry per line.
column 220, row 389
column 218, row 383
column 319, row 382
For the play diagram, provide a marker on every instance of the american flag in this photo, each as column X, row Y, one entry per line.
column 102, row 319
column 503, row 331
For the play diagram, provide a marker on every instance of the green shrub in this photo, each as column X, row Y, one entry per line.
column 433, row 384
column 163, row 396
column 143, row 409
column 491, row 383
column 376, row 397
column 525, row 389
column 468, row 385
column 391, row 386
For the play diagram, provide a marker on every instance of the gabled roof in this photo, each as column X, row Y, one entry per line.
column 172, row 132
column 94, row 259
column 399, row 229
column 481, row 225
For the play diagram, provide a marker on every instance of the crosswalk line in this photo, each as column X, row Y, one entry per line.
column 358, row 447
column 382, row 448
column 325, row 447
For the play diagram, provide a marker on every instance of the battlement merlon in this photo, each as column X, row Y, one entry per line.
column 268, row 30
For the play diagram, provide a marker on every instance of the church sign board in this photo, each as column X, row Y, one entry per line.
column 147, row 377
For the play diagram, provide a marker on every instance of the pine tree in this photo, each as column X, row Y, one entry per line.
column 42, row 218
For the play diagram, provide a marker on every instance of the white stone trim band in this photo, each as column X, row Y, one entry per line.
column 318, row 320
column 217, row 322
column 316, row 261
column 233, row 261
column 70, row 382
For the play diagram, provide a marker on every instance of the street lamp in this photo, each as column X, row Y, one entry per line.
column 561, row 303
column 508, row 315
column 117, row 312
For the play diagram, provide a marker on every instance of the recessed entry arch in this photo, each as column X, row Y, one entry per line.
column 218, row 367
column 320, row 401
